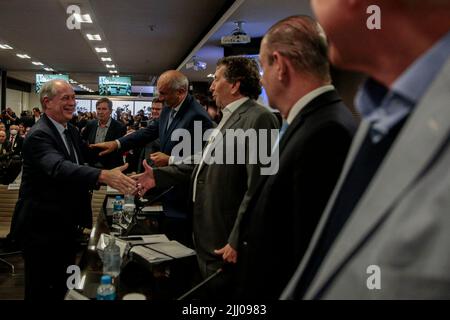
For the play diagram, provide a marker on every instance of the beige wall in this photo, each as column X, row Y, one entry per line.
column 19, row 100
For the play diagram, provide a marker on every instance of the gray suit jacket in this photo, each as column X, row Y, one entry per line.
column 402, row 222
column 223, row 190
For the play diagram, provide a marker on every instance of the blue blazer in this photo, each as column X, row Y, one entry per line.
column 189, row 112
column 175, row 202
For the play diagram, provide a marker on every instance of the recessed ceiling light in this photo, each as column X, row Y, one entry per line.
column 82, row 18
column 5, row 47
column 106, row 59
column 37, row 63
column 112, row 71
column 93, row 37
column 23, row 56
column 210, row 75
column 111, row 66
column 48, row 69
column 72, row 81
column 101, row 50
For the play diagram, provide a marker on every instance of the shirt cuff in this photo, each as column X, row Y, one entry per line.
column 118, row 144
column 171, row 160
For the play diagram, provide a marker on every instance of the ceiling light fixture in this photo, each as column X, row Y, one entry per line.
column 5, row 47
column 48, row 69
column 82, row 18
column 23, row 56
column 110, row 66
column 93, row 37
column 103, row 50
column 112, row 71
column 196, row 64
column 37, row 63
column 106, row 59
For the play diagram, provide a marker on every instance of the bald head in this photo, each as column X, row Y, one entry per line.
column 174, row 79
column 172, row 88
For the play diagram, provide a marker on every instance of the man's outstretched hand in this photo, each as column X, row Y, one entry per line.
column 107, row 147
column 117, row 180
column 145, row 181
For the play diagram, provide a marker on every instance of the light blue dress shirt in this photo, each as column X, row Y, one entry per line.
column 385, row 108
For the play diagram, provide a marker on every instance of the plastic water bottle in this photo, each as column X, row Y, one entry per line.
column 117, row 215
column 106, row 290
column 128, row 212
column 111, row 258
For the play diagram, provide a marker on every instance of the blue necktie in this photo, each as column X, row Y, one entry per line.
column 280, row 135
column 172, row 116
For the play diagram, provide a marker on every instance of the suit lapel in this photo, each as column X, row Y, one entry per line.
column 229, row 124
column 321, row 101
column 110, row 131
column 56, row 135
column 178, row 116
column 75, row 138
column 93, row 132
column 423, row 134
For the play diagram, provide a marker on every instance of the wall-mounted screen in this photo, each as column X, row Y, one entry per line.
column 43, row 78
column 114, row 86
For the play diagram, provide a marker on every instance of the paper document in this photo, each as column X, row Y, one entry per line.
column 110, row 190
column 74, row 295
column 145, row 239
column 172, row 248
column 162, row 251
column 155, row 208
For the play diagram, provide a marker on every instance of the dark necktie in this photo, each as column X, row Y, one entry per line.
column 70, row 145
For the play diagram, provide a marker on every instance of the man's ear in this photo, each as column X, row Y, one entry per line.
column 235, row 87
column 280, row 65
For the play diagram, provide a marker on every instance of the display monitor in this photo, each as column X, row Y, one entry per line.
column 43, row 78
column 114, row 86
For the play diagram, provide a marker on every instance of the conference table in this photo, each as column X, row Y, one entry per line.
column 167, row 280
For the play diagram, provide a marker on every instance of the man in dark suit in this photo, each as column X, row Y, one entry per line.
column 317, row 131
column 5, row 147
column 386, row 229
column 221, row 190
column 15, row 140
column 54, row 198
column 104, row 128
column 153, row 147
column 182, row 111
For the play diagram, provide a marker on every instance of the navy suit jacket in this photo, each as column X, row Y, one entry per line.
column 54, row 196
column 175, row 202
column 189, row 112
column 115, row 131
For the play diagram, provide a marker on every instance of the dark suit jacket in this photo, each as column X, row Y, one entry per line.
column 16, row 147
column 115, row 131
column 54, row 196
column 281, row 217
column 176, row 201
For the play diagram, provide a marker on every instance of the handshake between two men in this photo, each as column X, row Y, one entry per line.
column 137, row 184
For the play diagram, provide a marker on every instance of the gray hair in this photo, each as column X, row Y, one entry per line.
column 49, row 90
column 302, row 40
